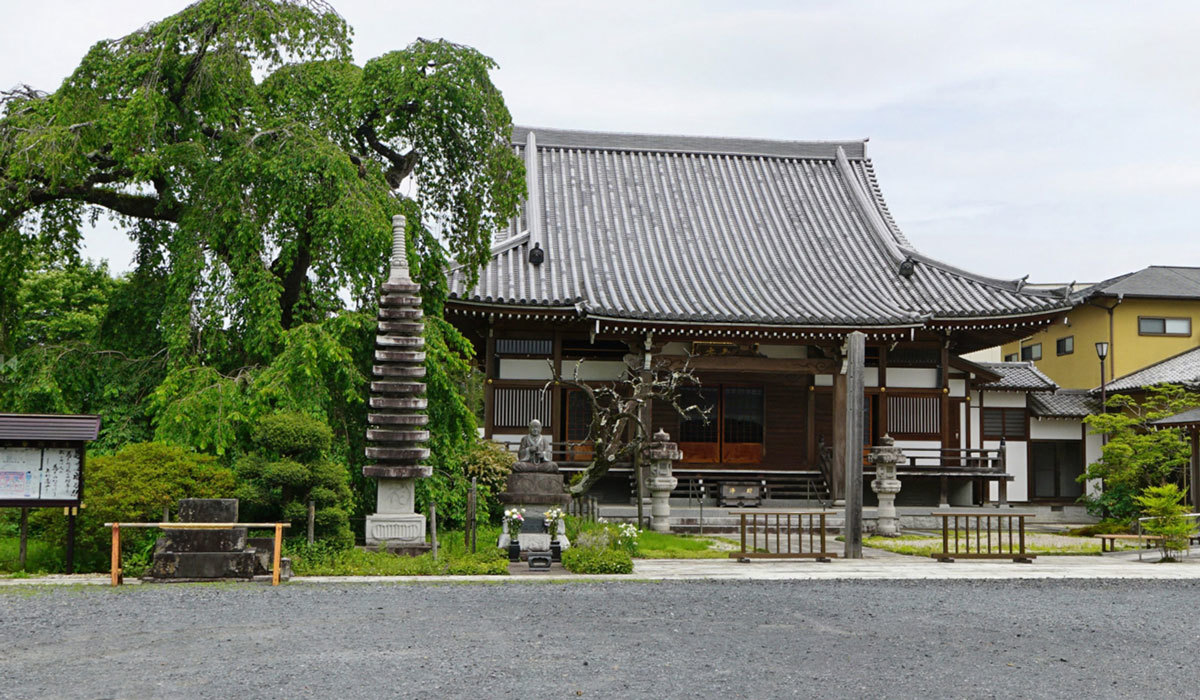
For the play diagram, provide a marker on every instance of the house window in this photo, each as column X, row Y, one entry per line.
column 1031, row 352
column 1011, row 357
column 1157, row 325
column 1005, row 423
column 1065, row 346
column 1056, row 466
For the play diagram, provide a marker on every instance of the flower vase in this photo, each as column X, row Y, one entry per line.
column 514, row 551
column 555, row 550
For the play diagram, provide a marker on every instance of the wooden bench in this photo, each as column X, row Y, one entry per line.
column 1108, row 542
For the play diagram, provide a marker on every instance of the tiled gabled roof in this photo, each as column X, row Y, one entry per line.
column 1017, row 376
column 1183, row 368
column 1158, row 281
column 1064, row 403
column 735, row 231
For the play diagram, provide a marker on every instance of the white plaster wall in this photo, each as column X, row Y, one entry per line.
column 935, row 444
column 1003, row 399
column 507, row 439
column 1054, row 429
column 525, row 369
column 871, row 376
column 973, row 417
column 912, row 378
column 1017, row 465
column 823, row 379
column 964, row 415
column 596, row 370
column 675, row 349
column 796, row 352
column 958, row 387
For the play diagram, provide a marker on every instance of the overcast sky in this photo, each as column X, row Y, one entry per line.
column 1059, row 139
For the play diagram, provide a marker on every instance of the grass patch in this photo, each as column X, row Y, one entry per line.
column 40, row 557
column 453, row 559
column 659, row 545
column 1035, row 543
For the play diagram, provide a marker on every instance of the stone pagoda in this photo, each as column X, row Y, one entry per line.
column 396, row 435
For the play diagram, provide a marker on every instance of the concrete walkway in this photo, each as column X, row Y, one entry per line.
column 876, row 565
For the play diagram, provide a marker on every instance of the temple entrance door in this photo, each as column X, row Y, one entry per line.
column 742, row 424
column 578, row 421
column 699, row 439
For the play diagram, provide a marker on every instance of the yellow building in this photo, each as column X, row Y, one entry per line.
column 1145, row 317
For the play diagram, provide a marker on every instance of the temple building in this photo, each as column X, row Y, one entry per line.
column 754, row 259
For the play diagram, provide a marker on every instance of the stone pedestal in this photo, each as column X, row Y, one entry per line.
column 396, row 435
column 662, row 454
column 533, row 535
column 885, row 458
column 199, row 555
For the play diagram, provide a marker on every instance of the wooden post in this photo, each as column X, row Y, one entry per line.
column 837, row 479
column 433, row 528
column 116, row 554
column 852, row 451
column 472, row 527
column 1002, row 486
column 24, row 538
column 312, row 521
column 70, row 540
column 275, row 556
column 489, row 391
column 642, row 430
column 166, row 514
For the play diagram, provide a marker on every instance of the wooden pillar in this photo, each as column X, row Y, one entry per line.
column 853, row 419
column 838, row 467
column 1196, row 467
column 489, row 390
column 883, row 399
column 810, row 424
column 945, row 398
column 558, row 428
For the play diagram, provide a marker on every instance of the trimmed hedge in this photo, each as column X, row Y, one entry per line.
column 591, row 560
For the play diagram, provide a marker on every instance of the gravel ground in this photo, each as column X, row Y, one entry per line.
column 758, row 639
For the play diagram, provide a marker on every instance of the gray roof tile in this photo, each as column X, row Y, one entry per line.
column 1064, row 403
column 727, row 230
column 1186, row 418
column 1154, row 281
column 1183, row 368
column 50, row 427
column 1017, row 376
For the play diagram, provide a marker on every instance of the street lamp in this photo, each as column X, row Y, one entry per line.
column 1102, row 353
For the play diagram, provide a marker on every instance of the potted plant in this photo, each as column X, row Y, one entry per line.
column 554, row 518
column 513, row 519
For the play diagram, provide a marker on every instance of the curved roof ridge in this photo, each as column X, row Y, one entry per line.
column 679, row 143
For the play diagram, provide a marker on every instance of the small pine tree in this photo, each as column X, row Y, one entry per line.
column 1163, row 504
column 289, row 468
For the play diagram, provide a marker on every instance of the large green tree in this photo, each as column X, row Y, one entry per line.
column 257, row 168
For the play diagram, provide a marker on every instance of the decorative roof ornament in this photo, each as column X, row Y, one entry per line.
column 536, row 255
column 907, row 267
column 398, row 273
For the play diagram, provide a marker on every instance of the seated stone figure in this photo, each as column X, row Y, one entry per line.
column 534, row 453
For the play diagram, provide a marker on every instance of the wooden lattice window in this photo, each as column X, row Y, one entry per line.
column 515, row 407
column 914, row 416
column 1005, row 423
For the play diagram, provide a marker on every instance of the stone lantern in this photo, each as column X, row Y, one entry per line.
column 662, row 453
column 885, row 458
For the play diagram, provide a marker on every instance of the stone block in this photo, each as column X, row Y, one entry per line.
column 539, row 560
column 208, row 510
column 230, row 540
column 202, row 565
column 394, row 528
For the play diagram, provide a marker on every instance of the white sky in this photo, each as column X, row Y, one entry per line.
column 1060, row 139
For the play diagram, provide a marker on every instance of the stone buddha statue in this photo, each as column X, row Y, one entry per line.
column 534, row 453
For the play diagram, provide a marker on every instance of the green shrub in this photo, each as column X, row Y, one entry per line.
column 132, row 485
column 1166, row 510
column 1104, row 527
column 591, row 560
column 289, row 468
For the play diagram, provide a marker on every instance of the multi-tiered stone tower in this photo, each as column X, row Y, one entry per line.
column 396, row 436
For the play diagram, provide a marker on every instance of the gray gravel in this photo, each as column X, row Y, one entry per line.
column 682, row 639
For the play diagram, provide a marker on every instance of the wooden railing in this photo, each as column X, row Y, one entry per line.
column 993, row 536
column 805, row 526
column 117, row 577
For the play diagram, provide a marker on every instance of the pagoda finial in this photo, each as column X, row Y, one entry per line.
column 399, row 259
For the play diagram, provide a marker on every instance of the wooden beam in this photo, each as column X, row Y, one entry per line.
column 732, row 363
column 489, row 391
